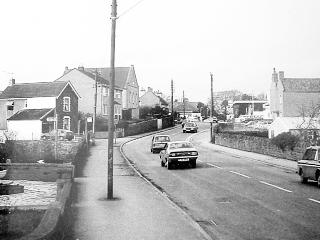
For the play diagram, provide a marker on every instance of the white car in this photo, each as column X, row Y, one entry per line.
column 178, row 152
column 309, row 166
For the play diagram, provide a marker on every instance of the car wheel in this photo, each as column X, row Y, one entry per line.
column 151, row 150
column 162, row 163
column 184, row 131
column 303, row 178
column 318, row 178
column 169, row 165
column 193, row 163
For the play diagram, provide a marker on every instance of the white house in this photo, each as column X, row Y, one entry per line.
column 286, row 124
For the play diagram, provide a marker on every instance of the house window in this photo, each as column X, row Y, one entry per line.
column 66, row 122
column 118, row 94
column 10, row 105
column 105, row 109
column 66, row 104
column 105, row 91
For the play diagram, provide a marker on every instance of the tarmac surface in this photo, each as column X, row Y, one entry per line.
column 138, row 210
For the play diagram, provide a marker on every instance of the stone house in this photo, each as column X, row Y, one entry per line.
column 126, row 80
column 151, row 99
column 293, row 97
column 29, row 109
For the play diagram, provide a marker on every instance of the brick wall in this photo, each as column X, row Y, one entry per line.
column 258, row 145
column 30, row 151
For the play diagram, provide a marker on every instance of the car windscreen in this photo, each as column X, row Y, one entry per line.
column 190, row 125
column 162, row 139
column 309, row 154
column 180, row 145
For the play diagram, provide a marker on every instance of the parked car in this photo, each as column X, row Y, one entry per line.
column 190, row 127
column 63, row 134
column 178, row 152
column 211, row 119
column 158, row 142
column 309, row 166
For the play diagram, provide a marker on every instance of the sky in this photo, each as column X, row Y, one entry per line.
column 238, row 41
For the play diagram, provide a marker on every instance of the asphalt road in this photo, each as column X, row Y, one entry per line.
column 233, row 197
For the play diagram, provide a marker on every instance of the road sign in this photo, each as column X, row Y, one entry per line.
column 89, row 119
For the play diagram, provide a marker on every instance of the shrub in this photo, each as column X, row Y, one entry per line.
column 263, row 134
column 284, row 140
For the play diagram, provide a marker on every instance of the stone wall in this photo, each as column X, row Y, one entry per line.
column 141, row 127
column 258, row 145
column 47, row 172
column 30, row 151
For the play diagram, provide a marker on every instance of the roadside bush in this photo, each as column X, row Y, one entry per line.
column 285, row 140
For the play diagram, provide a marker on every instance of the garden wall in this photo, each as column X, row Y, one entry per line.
column 258, row 145
column 30, row 151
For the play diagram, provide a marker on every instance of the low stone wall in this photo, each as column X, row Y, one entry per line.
column 30, row 151
column 141, row 127
column 47, row 172
column 258, row 145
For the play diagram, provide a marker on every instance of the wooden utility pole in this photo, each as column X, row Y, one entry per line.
column 111, row 100
column 212, row 107
column 184, row 105
column 95, row 104
column 172, row 112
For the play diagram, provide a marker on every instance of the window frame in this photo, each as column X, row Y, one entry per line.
column 68, row 109
column 69, row 122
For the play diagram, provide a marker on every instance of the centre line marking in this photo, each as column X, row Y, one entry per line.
column 240, row 174
column 280, row 188
column 212, row 165
column 313, row 200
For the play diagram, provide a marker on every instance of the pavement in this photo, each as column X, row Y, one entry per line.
column 269, row 160
column 137, row 211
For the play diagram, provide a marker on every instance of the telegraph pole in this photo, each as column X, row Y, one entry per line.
column 184, row 105
column 212, row 107
column 172, row 113
column 95, row 104
column 111, row 100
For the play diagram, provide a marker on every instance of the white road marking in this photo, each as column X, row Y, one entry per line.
column 213, row 222
column 240, row 174
column 280, row 188
column 212, row 165
column 313, row 200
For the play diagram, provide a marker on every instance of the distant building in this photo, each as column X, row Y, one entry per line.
column 185, row 108
column 253, row 108
column 151, row 99
column 289, row 97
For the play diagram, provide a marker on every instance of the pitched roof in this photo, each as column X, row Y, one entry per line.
column 162, row 101
column 31, row 90
column 188, row 107
column 121, row 74
column 30, row 114
column 301, row 84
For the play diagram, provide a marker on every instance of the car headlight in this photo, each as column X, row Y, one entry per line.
column 173, row 154
column 194, row 153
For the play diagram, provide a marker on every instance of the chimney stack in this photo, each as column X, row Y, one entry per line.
column 12, row 82
column 66, row 69
column 274, row 76
column 150, row 89
column 281, row 75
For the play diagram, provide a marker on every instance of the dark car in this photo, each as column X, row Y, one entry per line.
column 158, row 142
column 190, row 127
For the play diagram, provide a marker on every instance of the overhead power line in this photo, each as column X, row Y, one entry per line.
column 129, row 9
